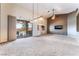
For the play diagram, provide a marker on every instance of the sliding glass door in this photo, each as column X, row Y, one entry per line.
column 24, row 29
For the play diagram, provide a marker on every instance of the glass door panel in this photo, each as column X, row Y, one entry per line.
column 24, row 29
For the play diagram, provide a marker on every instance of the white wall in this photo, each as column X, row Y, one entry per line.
column 4, row 12
column 72, row 25
column 0, row 21
column 39, row 22
column 20, row 12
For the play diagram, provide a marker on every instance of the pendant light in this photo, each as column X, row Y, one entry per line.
column 35, row 18
column 53, row 16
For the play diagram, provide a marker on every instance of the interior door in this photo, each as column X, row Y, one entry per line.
column 11, row 28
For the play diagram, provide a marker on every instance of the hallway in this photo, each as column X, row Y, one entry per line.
column 47, row 45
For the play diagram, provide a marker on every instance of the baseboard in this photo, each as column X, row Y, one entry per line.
column 6, row 42
column 74, row 36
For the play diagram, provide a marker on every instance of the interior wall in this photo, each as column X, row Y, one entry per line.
column 4, row 12
column 0, row 21
column 37, row 30
column 59, row 20
column 21, row 13
column 72, row 25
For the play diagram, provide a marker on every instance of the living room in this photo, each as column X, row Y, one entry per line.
column 33, row 24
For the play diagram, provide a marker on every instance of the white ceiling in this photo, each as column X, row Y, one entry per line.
column 41, row 9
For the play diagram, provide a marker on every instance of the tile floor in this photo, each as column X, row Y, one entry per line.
column 47, row 45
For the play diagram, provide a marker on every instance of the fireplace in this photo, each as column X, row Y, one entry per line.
column 58, row 27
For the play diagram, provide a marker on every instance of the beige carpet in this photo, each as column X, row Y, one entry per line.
column 48, row 45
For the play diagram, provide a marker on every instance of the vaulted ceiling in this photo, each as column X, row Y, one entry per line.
column 41, row 9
